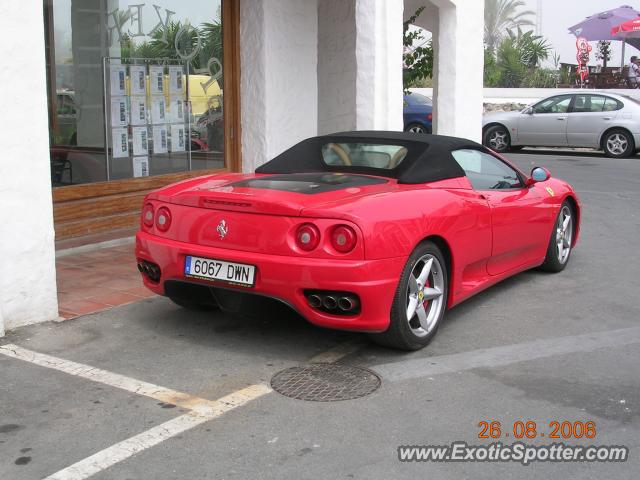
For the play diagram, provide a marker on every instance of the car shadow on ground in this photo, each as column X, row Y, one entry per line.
column 270, row 327
column 275, row 327
column 462, row 313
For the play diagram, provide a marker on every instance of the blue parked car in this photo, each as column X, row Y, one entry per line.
column 417, row 113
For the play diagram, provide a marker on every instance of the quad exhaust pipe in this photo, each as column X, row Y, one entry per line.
column 330, row 302
column 315, row 301
column 348, row 303
column 336, row 303
column 150, row 270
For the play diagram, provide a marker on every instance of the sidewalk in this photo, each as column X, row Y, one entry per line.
column 96, row 280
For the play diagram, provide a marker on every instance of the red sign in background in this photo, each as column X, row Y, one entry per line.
column 583, row 47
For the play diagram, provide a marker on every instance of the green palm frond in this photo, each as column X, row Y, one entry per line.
column 501, row 16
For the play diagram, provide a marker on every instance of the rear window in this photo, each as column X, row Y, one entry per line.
column 363, row 155
column 611, row 104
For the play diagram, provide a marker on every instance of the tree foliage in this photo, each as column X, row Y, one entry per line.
column 206, row 39
column 501, row 16
column 511, row 68
column 532, row 49
column 491, row 72
column 418, row 61
column 516, row 62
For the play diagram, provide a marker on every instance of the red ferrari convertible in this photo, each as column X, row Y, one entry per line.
column 377, row 232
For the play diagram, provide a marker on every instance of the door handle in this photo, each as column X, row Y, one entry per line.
column 560, row 118
column 606, row 118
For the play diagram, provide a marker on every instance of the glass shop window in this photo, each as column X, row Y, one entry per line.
column 135, row 89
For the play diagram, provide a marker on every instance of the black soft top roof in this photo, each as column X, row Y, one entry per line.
column 428, row 158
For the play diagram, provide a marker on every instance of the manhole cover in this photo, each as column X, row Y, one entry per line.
column 325, row 382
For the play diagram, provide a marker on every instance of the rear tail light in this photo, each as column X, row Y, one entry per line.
column 147, row 215
column 163, row 219
column 307, row 237
column 343, row 238
column 430, row 116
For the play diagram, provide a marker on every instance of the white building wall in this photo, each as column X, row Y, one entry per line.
column 27, row 256
column 460, row 69
column 359, row 65
column 253, row 99
column 379, row 62
column 337, row 66
column 279, row 83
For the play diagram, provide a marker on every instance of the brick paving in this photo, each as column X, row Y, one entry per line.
column 97, row 280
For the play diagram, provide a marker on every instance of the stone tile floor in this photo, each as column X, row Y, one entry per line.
column 96, row 280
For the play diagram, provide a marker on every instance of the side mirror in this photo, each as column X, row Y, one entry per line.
column 528, row 111
column 538, row 174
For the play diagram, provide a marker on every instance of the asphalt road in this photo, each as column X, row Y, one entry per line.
column 538, row 347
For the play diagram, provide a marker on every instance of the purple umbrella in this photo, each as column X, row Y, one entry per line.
column 598, row 26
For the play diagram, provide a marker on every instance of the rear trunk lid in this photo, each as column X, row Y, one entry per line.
column 261, row 213
column 286, row 195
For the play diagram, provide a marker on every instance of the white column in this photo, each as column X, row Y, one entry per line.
column 27, row 255
column 337, row 66
column 359, row 65
column 459, row 72
column 253, row 95
column 379, row 65
column 278, row 56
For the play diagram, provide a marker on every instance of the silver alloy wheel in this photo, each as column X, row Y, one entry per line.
column 416, row 129
column 425, row 299
column 564, row 234
column 617, row 143
column 498, row 140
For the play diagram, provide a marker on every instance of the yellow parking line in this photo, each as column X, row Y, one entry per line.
column 201, row 409
column 105, row 377
column 108, row 457
column 338, row 352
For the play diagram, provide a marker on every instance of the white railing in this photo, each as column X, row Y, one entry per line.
column 528, row 95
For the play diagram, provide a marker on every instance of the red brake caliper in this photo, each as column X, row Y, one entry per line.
column 425, row 302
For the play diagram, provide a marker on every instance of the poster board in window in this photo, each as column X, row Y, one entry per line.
column 150, row 121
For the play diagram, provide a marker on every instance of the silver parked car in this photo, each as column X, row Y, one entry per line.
column 591, row 119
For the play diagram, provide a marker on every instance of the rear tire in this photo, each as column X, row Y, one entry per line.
column 497, row 138
column 191, row 305
column 421, row 295
column 561, row 240
column 618, row 143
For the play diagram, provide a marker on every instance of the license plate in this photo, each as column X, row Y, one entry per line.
column 237, row 273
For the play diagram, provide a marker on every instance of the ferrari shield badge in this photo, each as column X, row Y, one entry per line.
column 550, row 191
column 222, row 229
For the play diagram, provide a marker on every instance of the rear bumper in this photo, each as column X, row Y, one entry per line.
column 285, row 279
